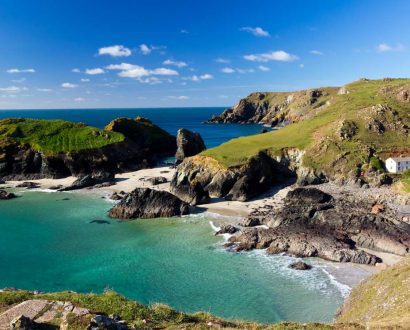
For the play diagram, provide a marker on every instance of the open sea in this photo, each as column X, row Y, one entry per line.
column 48, row 243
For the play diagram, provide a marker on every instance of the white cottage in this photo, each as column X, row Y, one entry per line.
column 397, row 164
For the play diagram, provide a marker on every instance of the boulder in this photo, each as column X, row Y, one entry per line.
column 90, row 180
column 6, row 195
column 308, row 195
column 22, row 322
column 157, row 180
column 28, row 185
column 149, row 203
column 227, row 229
column 300, row 265
column 190, row 192
column 188, row 144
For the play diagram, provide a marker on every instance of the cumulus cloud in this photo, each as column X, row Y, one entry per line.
column 263, row 68
column 227, row 70
column 94, row 71
column 144, row 49
column 206, row 76
column 138, row 72
column 278, row 55
column 316, row 52
column 179, row 64
column 384, row 48
column 115, row 51
column 14, row 70
column 222, row 60
column 68, row 85
column 256, row 31
column 196, row 78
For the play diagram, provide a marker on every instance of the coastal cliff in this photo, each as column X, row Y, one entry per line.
column 32, row 148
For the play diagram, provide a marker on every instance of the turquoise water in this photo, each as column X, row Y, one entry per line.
column 48, row 243
column 170, row 119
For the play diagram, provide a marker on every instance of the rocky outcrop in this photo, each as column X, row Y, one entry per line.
column 6, row 195
column 112, row 322
column 226, row 229
column 300, row 265
column 314, row 224
column 188, row 144
column 90, row 180
column 143, row 143
column 275, row 108
column 148, row 203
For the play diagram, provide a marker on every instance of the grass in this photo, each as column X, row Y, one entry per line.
column 382, row 300
column 56, row 136
column 156, row 316
column 316, row 134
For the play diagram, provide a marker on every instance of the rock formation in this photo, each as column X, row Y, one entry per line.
column 6, row 195
column 314, row 224
column 188, row 144
column 148, row 203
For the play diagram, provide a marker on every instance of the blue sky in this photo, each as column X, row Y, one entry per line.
column 157, row 53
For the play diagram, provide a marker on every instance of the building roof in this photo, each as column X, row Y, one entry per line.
column 400, row 159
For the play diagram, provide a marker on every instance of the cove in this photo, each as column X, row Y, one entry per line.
column 65, row 241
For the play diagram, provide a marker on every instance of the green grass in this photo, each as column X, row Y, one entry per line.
column 316, row 134
column 156, row 316
column 56, row 136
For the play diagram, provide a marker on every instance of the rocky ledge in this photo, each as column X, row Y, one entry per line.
column 148, row 203
column 312, row 223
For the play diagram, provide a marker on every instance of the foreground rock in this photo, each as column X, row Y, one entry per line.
column 90, row 180
column 300, row 265
column 188, row 144
column 149, row 203
column 312, row 223
column 6, row 195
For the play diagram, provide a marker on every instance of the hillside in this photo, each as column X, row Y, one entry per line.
column 383, row 300
column 33, row 148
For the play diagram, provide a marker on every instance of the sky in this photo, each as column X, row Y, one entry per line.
column 185, row 53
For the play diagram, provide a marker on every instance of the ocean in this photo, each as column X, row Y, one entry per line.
column 48, row 243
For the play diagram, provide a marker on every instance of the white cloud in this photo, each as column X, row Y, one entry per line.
column 12, row 89
column 222, row 60
column 263, row 68
column 228, row 70
column 79, row 99
column 184, row 31
column 192, row 78
column 115, row 51
column 44, row 90
column 278, row 55
column 85, row 80
column 181, row 97
column 144, row 49
column 383, row 48
column 68, row 85
column 316, row 52
column 14, row 70
column 179, row 64
column 206, row 76
column 18, row 81
column 76, row 70
column 135, row 71
column 94, row 71
column 243, row 71
column 256, row 31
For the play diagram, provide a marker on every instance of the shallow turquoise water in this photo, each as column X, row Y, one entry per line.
column 49, row 244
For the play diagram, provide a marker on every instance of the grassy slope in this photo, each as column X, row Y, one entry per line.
column 157, row 316
column 308, row 133
column 382, row 300
column 55, row 136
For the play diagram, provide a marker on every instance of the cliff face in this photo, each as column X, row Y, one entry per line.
column 46, row 148
column 276, row 108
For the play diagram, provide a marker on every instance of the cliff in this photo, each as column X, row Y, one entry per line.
column 31, row 148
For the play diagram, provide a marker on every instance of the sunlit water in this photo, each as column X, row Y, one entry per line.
column 48, row 243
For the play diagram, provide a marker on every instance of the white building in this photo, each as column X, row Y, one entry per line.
column 397, row 164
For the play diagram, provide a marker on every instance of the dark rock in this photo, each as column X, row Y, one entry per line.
column 226, row 229
column 28, row 185
column 308, row 195
column 188, row 144
column 157, row 180
column 90, row 180
column 116, row 196
column 148, row 203
column 300, row 265
column 103, row 322
column 100, row 222
column 6, row 195
column 56, row 187
column 250, row 222
column 2, row 181
column 190, row 192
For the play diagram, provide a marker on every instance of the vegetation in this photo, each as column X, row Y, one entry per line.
column 55, row 136
column 157, row 316
column 379, row 116
column 381, row 301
